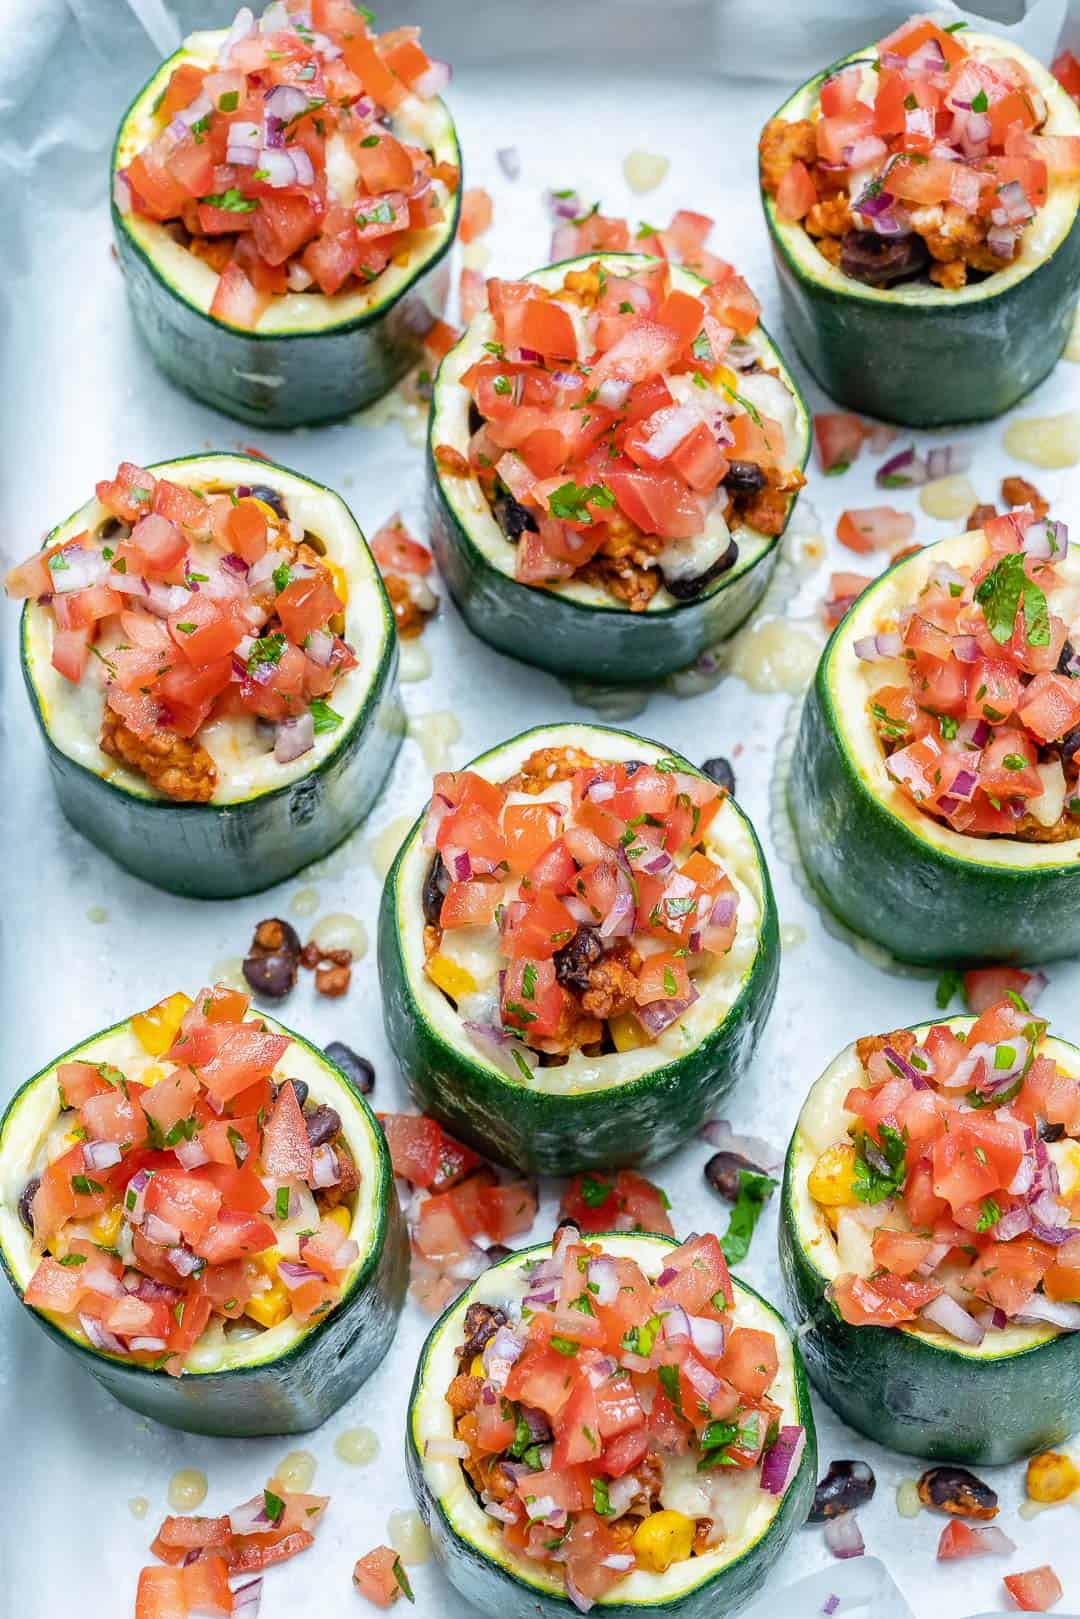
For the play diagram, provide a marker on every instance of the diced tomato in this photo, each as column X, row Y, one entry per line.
column 286, row 1152
column 1049, row 707
column 375, row 1577
column 415, row 1144
column 1066, row 70
column 959, row 1539
column 749, row 1361
column 161, row 1594
column 796, row 194
column 1035, row 1591
column 476, row 213
column 235, row 301
column 395, row 550
column 985, row 986
column 469, row 904
column 233, row 1235
column 884, row 1302
column 874, row 528
column 1006, row 1274
column 543, row 1378
column 577, row 1429
column 532, row 1001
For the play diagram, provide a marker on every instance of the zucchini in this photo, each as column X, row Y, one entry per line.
column 920, row 354
column 271, row 819
column 312, row 357
column 912, row 1389
column 573, row 628
column 627, row 1107
column 286, row 1379
column 928, row 894
column 469, row 1544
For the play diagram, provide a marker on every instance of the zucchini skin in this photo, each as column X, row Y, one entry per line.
column 301, row 1388
column 921, row 903
column 627, row 1125
column 912, row 1396
column 931, row 368
column 499, row 1592
column 222, row 851
column 323, row 375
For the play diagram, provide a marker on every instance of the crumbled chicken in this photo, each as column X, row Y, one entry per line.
column 178, row 766
column 781, row 145
column 1019, row 492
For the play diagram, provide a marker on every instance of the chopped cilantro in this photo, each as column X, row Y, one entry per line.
column 281, row 1203
column 85, row 1186
column 281, row 576
column 273, row 1504
column 880, row 1170
column 601, row 1503
column 267, row 649
column 989, row 1214
column 594, row 1191
column 325, row 717
column 564, row 1346
column 229, row 101
column 1000, row 595
column 949, row 985
column 403, row 1580
column 232, row 201
column 571, row 501
column 754, row 1192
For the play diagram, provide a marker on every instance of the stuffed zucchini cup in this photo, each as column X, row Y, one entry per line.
column 283, row 195
column 921, row 196
column 198, row 1206
column 615, row 449
column 578, row 950
column 552, row 1479
column 211, row 659
column 933, row 788
column 929, row 1240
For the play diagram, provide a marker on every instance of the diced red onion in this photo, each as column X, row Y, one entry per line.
column 295, row 1275
column 441, row 1448
column 154, row 1292
column 944, row 1312
column 501, row 1514
column 1013, row 1224
column 567, row 207
column 285, row 102
column 946, row 460
column 708, row 1336
column 1001, row 241
column 718, row 1133
column 183, row 1261
column 612, row 393
column 781, row 1461
column 620, row 1562
column 100, row 1154
column 149, row 1346
column 620, row 919
column 670, row 434
column 831, row 1603
column 676, row 1324
column 324, row 1166
column 500, row 1049
column 191, row 1154
column 603, row 1279
column 500, row 1353
column 82, row 569
column 635, row 1363
column 872, row 648
column 1012, row 206
column 842, row 1536
column 100, row 1337
column 701, row 1380
column 660, row 1015
column 293, row 738
column 934, row 1255
column 966, row 649
column 433, row 81
column 121, row 193
column 666, row 1276
column 903, row 470
column 599, row 792
column 250, row 1517
column 246, row 1598
column 927, row 58
column 1054, row 1312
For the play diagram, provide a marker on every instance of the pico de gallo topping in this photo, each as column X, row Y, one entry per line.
column 196, row 1193
column 278, row 165
column 945, row 1194
column 460, row 1213
column 924, row 158
column 978, row 717
column 591, row 882
column 623, row 427
column 183, row 607
column 602, row 1417
column 214, row 1565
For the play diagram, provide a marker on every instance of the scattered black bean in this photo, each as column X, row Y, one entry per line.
column 513, row 518
column 270, row 966
column 1068, row 652
column 482, row 1322
column 722, row 1173
column 1070, row 743
column 476, row 421
column 955, row 1490
column 744, row 478
column 354, row 1067
column 1051, row 1132
column 632, row 766
column 878, row 261
column 574, row 960
column 563, row 1224
column 719, row 770
column 25, row 1199
column 323, row 1123
column 686, row 588
column 498, row 1252
column 846, row 1485
column 436, row 884
column 271, row 498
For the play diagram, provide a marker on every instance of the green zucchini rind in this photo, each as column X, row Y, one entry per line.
column 928, row 894
column 286, row 1379
column 468, row 1543
column 583, row 1117
column 312, row 358
column 574, row 628
column 919, row 354
column 911, row 1390
column 248, row 839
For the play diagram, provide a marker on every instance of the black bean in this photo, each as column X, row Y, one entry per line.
column 354, row 1067
column 574, row 961
column 271, row 498
column 719, row 770
column 878, row 261
column 26, row 1197
column 482, row 1322
column 476, row 421
column 1051, row 1132
column 565, row 1224
column 722, row 1172
column 955, row 1490
column 846, row 1485
column 498, row 1252
column 744, row 478
column 271, row 975
column 632, row 766
column 323, row 1123
column 299, row 1086
column 685, row 589
column 1068, row 652
column 1070, row 743
column 436, row 883
column 513, row 518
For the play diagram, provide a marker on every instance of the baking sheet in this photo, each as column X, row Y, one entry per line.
column 575, row 87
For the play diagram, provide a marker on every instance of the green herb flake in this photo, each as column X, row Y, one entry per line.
column 281, row 1203
column 594, row 1191
column 325, row 717
column 85, row 1186
column 1000, row 595
column 564, row 1346
column 949, row 985
column 880, row 1170
column 601, row 1502
column 989, row 1214
column 231, row 201
column 754, row 1192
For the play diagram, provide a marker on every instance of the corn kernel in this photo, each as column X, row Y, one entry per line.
column 106, row 1228
column 724, row 377
column 662, row 1539
column 157, row 1027
column 268, row 511
column 271, row 1308
column 269, row 1261
column 341, row 1216
column 338, row 580
column 832, row 1179
column 477, row 1367
column 626, row 1032
column 451, row 979
column 1051, row 1477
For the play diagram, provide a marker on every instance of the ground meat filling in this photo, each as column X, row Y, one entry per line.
column 177, row 766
